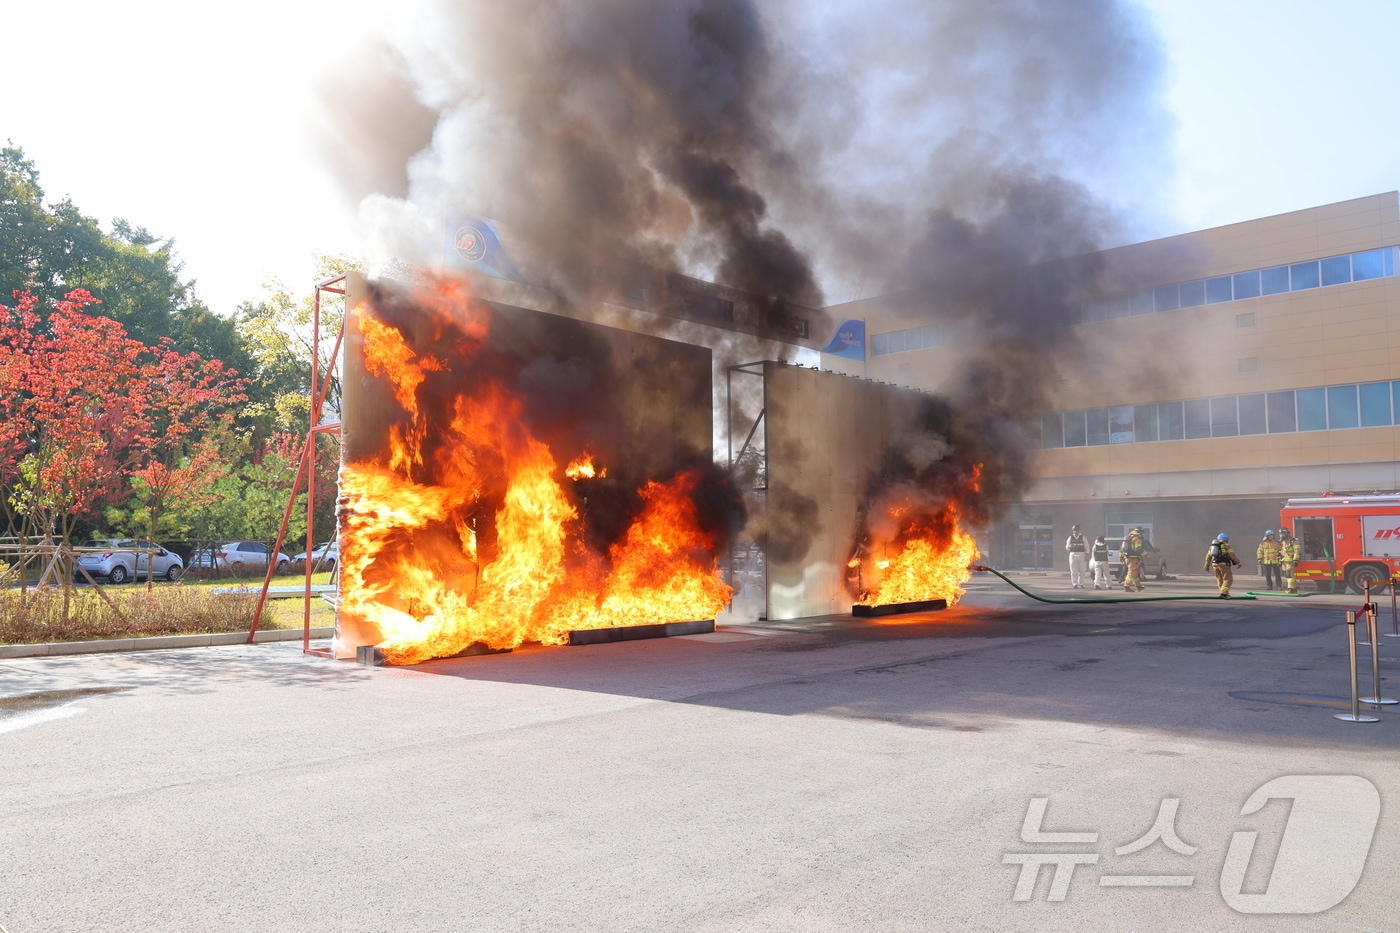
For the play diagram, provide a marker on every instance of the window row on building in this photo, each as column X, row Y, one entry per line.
column 1296, row 277
column 1372, row 404
column 914, row 338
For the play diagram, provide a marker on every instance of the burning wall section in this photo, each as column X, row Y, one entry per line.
column 511, row 475
column 864, row 495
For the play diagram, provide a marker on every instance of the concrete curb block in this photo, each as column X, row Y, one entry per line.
column 151, row 644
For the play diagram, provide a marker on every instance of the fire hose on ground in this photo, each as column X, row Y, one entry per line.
column 1104, row 600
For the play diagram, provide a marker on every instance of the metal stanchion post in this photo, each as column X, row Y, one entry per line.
column 1355, row 714
column 1394, row 618
column 1375, row 699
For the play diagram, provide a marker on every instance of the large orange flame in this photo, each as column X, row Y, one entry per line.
column 929, row 558
column 415, row 566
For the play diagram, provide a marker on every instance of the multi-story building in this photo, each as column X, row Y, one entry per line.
column 1212, row 376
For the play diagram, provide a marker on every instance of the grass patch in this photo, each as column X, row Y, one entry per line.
column 287, row 613
column 318, row 579
column 160, row 610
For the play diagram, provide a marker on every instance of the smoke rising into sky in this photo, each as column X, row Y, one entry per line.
column 785, row 150
column 945, row 154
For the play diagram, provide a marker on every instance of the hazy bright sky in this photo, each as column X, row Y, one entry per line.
column 191, row 120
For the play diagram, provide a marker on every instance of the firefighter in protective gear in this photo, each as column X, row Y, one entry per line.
column 1290, row 551
column 1133, row 552
column 1221, row 559
column 1268, row 554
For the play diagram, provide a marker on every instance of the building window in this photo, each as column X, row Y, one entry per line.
column 1244, row 320
column 1166, row 298
column 1247, row 364
column 1096, row 420
column 1031, row 427
column 1118, row 524
column 900, row 341
column 1197, row 418
column 1224, row 417
column 1171, row 421
column 1075, row 435
column 1144, row 423
column 1283, row 417
column 1218, row 290
column 1120, row 424
column 1273, row 281
column 1375, row 404
column 1367, row 265
column 1141, row 302
column 1341, row 407
column 1336, row 271
column 1327, row 408
column 1246, row 285
column 1252, row 415
column 1303, row 275
column 1193, row 294
column 1312, row 409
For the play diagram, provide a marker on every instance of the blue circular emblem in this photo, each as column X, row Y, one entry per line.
column 470, row 244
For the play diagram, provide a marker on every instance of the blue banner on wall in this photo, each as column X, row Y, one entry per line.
column 474, row 244
column 849, row 340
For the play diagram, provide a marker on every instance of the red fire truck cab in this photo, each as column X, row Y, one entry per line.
column 1351, row 538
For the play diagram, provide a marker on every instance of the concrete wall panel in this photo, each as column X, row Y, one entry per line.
column 826, row 435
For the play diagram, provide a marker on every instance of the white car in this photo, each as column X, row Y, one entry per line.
column 324, row 557
column 238, row 558
column 128, row 560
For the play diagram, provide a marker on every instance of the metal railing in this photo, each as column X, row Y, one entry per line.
column 1373, row 641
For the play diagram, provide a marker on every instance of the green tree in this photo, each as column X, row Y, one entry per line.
column 49, row 250
column 278, row 328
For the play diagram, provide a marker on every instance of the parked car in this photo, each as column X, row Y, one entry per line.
column 128, row 560
column 324, row 557
column 1153, row 563
column 239, row 558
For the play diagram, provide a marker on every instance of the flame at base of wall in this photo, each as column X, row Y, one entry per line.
column 929, row 559
column 466, row 526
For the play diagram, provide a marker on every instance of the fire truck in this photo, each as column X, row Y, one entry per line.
column 1346, row 538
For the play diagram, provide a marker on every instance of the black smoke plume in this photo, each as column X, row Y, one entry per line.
column 951, row 156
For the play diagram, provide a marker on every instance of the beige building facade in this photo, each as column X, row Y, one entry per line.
column 1209, row 377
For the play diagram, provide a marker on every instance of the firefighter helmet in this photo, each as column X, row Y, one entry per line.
column 1222, row 537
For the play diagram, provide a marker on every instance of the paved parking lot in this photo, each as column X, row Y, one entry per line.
column 824, row 775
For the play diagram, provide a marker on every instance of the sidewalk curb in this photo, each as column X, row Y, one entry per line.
column 50, row 649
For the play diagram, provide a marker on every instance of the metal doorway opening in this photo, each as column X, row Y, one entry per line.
column 1035, row 546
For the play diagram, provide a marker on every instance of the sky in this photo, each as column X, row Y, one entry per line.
column 197, row 125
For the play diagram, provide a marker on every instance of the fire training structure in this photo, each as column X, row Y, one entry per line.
column 472, row 519
column 833, row 530
column 513, row 476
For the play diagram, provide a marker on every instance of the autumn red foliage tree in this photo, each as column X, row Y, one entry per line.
column 87, row 409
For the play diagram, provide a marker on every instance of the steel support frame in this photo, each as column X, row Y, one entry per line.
column 746, row 369
column 320, row 386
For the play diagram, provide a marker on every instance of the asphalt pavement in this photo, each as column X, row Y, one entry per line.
column 816, row 775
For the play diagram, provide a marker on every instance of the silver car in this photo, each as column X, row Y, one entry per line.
column 239, row 558
column 128, row 560
column 324, row 557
